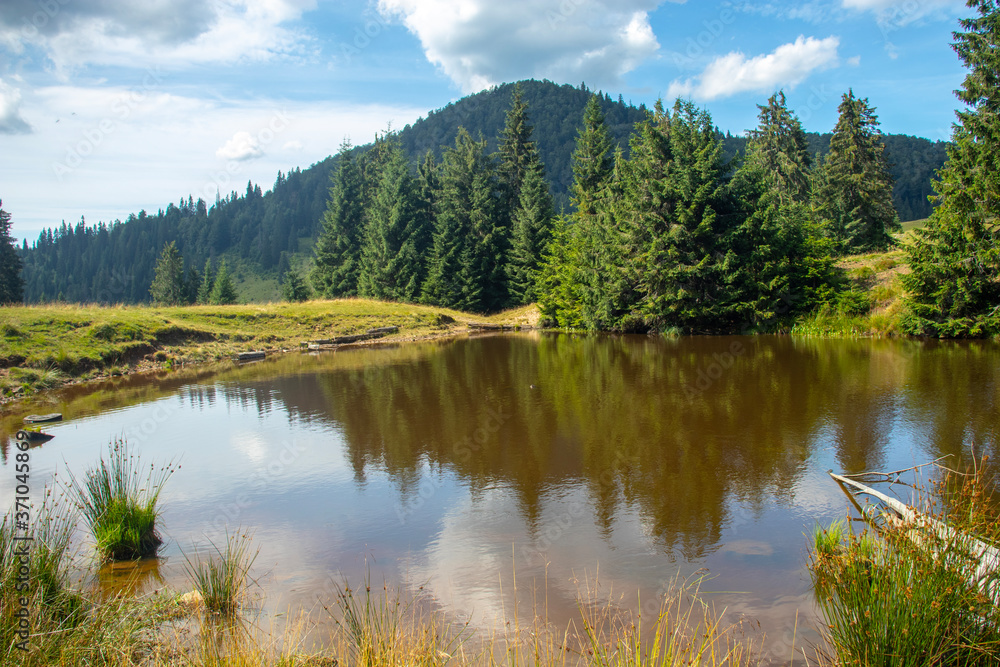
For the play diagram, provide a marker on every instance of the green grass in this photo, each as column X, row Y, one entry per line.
column 119, row 504
column 77, row 340
column 221, row 579
column 905, row 596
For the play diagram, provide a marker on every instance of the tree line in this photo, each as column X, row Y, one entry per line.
column 264, row 233
column 674, row 235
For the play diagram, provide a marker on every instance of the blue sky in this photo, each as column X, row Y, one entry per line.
column 111, row 106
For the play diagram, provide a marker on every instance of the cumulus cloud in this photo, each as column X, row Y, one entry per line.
column 786, row 66
column 10, row 111
column 116, row 32
column 243, row 146
column 478, row 43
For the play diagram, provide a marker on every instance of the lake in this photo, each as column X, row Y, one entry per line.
column 584, row 466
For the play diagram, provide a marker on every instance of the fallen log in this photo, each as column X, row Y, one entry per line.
column 250, row 356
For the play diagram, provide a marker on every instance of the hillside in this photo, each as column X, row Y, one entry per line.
column 262, row 234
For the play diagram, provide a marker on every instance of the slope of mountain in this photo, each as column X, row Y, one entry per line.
column 262, row 234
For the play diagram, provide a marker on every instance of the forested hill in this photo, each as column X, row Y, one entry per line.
column 262, row 234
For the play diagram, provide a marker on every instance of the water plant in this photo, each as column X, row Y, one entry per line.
column 118, row 502
column 222, row 578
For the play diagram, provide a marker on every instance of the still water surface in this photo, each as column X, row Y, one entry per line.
column 576, row 463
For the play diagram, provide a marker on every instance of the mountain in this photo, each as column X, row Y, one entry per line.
column 263, row 234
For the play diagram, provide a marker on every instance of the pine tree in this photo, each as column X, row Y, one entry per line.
column 954, row 283
column 207, row 280
column 295, row 288
column 11, row 282
column 335, row 273
column 391, row 265
column 530, row 235
column 558, row 288
column 854, row 195
column 223, row 290
column 167, row 288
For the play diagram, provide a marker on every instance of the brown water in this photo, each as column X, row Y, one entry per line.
column 566, row 460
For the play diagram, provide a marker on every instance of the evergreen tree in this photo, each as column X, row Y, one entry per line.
column 223, row 290
column 532, row 229
column 954, row 284
column 518, row 154
column 207, row 280
column 558, row 288
column 854, row 194
column 671, row 193
column 295, row 288
column 11, row 283
column 466, row 267
column 167, row 288
column 391, row 263
column 191, row 286
column 335, row 273
column 780, row 150
column 592, row 158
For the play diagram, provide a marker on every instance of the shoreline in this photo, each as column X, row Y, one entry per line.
column 36, row 367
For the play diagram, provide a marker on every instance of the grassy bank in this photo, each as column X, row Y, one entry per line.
column 41, row 347
column 872, row 305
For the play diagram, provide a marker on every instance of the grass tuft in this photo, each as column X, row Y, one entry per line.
column 911, row 594
column 221, row 580
column 119, row 503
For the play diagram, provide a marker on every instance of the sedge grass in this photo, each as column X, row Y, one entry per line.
column 907, row 596
column 118, row 502
column 222, row 578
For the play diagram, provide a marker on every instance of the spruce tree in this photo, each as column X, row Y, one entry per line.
column 207, row 280
column 776, row 262
column 954, row 283
column 592, row 158
column 294, row 288
column 391, row 264
column 335, row 273
column 466, row 267
column 518, row 154
column 223, row 290
column 11, row 282
column 854, row 195
column 167, row 288
column 671, row 195
column 530, row 235
column 780, row 150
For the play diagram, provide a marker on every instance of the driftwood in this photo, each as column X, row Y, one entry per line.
column 979, row 560
column 250, row 356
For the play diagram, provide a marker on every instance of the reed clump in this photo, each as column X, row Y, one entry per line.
column 915, row 592
column 222, row 579
column 118, row 501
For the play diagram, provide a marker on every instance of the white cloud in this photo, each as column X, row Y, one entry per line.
column 788, row 65
column 293, row 146
column 478, row 43
column 114, row 152
column 121, row 32
column 243, row 146
column 10, row 111
column 895, row 14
